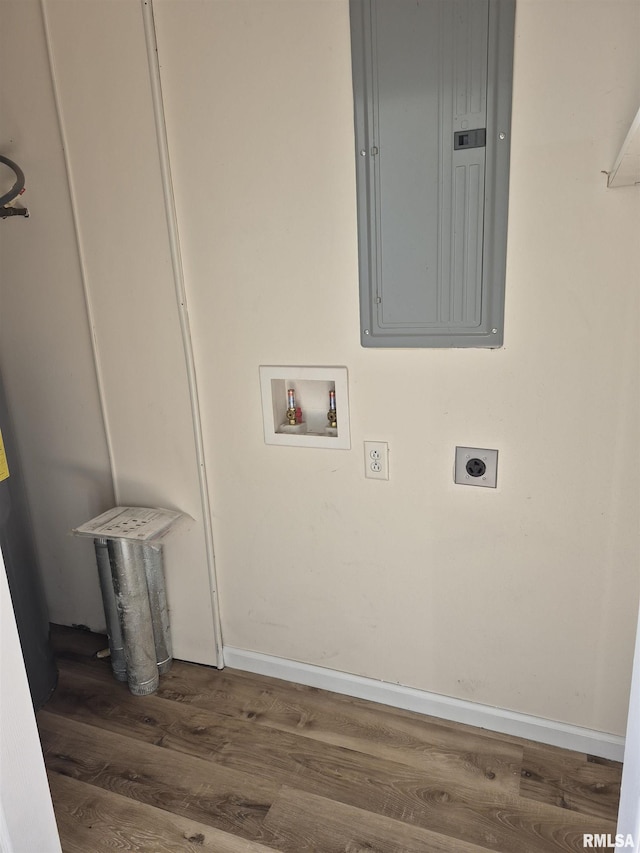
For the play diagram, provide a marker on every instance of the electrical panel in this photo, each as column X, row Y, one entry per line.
column 432, row 95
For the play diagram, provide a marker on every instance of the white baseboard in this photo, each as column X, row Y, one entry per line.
column 500, row 720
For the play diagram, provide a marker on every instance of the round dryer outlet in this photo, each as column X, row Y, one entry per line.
column 475, row 466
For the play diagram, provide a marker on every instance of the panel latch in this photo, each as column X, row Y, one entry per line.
column 470, row 138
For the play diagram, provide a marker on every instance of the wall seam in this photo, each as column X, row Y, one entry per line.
column 79, row 246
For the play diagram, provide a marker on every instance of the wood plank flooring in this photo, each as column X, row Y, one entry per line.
column 239, row 763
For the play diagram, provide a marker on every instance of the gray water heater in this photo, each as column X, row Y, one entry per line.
column 18, row 552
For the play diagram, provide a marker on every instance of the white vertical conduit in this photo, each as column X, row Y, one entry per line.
column 178, row 276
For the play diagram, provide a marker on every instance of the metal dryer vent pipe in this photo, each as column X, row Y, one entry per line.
column 132, row 598
column 154, row 571
column 114, row 632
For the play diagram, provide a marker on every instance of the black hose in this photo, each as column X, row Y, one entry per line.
column 17, row 188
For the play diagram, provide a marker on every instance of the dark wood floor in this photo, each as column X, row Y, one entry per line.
column 238, row 763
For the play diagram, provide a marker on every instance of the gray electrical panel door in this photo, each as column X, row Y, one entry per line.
column 432, row 93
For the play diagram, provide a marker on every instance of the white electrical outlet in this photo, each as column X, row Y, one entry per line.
column 376, row 460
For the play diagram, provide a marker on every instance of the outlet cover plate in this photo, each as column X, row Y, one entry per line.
column 376, row 460
column 476, row 466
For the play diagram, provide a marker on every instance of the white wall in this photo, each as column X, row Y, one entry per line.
column 27, row 822
column 107, row 119
column 524, row 597
column 629, row 810
column 80, row 456
column 45, row 340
